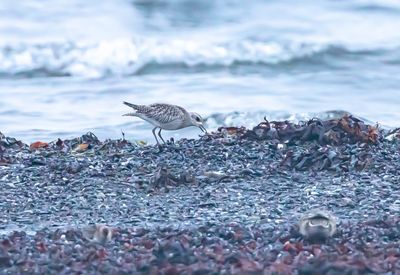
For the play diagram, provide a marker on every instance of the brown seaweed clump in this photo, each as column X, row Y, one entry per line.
column 163, row 178
column 345, row 130
column 343, row 144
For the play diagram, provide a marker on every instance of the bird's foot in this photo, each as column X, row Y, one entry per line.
column 160, row 147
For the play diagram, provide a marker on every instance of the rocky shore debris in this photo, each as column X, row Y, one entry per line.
column 80, row 148
column 216, row 175
column 230, row 203
column 342, row 144
column 2, row 159
column 393, row 135
column 38, row 145
column 163, row 178
column 317, row 225
column 346, row 130
column 9, row 142
column 77, row 145
column 230, row 248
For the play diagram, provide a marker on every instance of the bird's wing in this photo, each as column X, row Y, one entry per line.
column 163, row 113
column 140, row 109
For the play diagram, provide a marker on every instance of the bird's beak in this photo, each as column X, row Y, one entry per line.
column 128, row 114
column 203, row 128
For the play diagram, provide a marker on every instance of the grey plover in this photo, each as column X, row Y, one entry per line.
column 166, row 117
column 99, row 233
column 102, row 234
column 317, row 225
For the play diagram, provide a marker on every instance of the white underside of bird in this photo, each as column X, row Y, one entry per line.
column 172, row 125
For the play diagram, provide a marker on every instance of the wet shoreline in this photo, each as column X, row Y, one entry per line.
column 227, row 202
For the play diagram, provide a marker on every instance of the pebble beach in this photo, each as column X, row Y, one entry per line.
column 297, row 173
column 227, row 202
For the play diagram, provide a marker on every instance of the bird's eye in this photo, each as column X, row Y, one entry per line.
column 197, row 119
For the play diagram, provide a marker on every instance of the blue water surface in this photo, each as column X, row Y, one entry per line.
column 67, row 65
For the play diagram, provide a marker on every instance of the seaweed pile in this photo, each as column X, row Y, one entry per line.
column 346, row 130
column 338, row 144
column 228, row 202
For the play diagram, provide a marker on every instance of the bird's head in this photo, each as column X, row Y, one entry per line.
column 102, row 234
column 317, row 225
column 197, row 120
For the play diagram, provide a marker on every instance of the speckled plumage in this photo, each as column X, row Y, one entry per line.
column 162, row 113
column 166, row 116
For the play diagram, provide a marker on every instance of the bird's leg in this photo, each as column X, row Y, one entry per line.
column 154, row 134
column 159, row 134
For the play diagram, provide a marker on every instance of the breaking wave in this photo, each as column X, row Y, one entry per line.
column 127, row 57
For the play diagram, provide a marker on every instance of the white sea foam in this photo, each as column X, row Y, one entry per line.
column 127, row 57
column 94, row 39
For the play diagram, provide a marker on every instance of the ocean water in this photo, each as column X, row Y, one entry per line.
column 67, row 65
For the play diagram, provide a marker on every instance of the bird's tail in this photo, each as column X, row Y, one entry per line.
column 134, row 106
column 130, row 114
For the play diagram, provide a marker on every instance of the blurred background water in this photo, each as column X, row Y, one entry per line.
column 67, row 65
